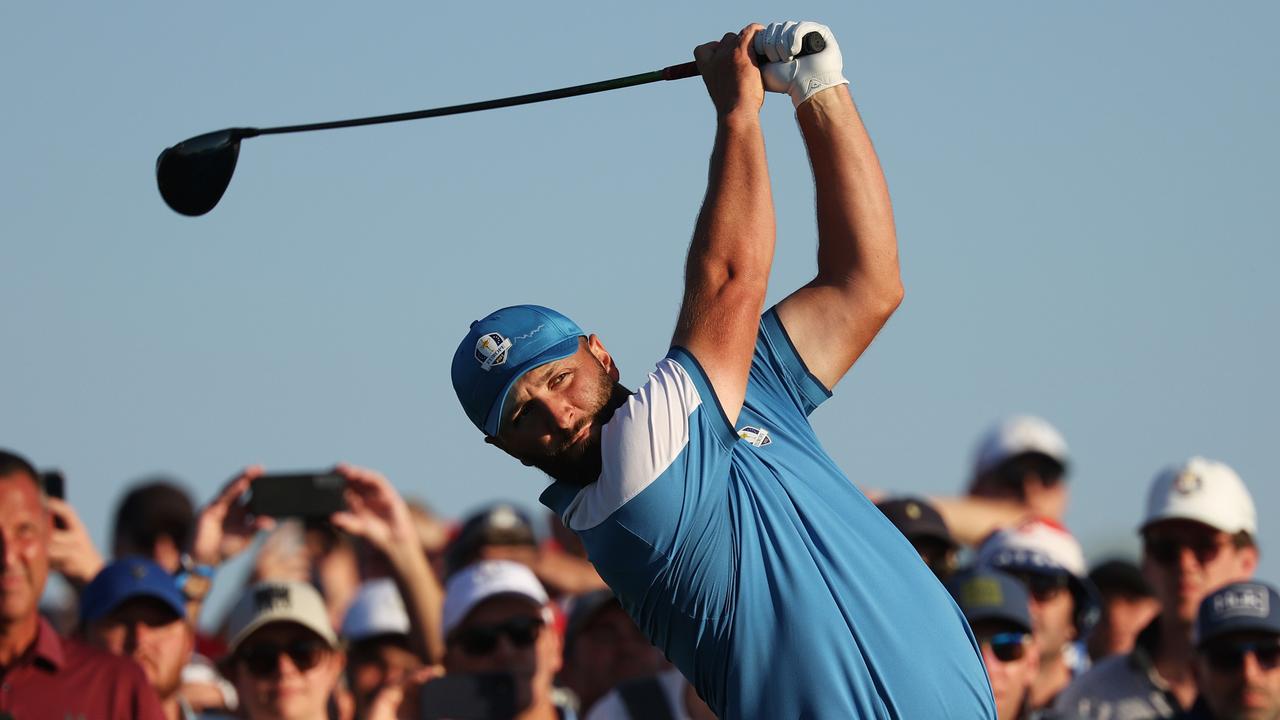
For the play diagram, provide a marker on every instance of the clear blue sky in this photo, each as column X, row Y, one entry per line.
column 1085, row 195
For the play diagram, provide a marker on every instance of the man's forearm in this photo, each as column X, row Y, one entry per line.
column 423, row 599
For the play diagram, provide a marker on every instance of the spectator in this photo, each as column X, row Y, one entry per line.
column 376, row 632
column 1050, row 564
column 496, row 618
column 1197, row 536
column 155, row 519
column 1128, row 605
column 285, row 660
column 1238, row 654
column 45, row 675
column 1019, row 473
column 921, row 523
column 603, row 647
column 134, row 608
column 665, row 696
column 997, row 608
column 504, row 532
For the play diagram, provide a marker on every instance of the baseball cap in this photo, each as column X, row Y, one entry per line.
column 487, row 579
column 376, row 610
column 1019, row 435
column 1238, row 607
column 1043, row 546
column 499, row 349
column 498, row 524
column 126, row 579
column 989, row 594
column 916, row 518
column 1205, row 491
column 273, row 602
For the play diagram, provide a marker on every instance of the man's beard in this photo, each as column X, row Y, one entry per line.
column 580, row 463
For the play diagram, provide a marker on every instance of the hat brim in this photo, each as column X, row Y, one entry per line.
column 325, row 632
column 558, row 351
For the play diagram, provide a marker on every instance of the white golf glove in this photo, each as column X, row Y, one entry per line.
column 803, row 76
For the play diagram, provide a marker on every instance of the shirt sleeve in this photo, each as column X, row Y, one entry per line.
column 779, row 377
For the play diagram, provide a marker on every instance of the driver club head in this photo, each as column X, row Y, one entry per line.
column 194, row 174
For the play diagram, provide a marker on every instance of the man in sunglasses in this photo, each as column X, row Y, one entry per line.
column 1063, row 604
column 920, row 523
column 1197, row 536
column 134, row 608
column 997, row 608
column 1238, row 654
column 497, row 619
column 284, row 656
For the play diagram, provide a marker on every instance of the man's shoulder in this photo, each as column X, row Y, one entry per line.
column 82, row 658
column 1114, row 674
column 1116, row 686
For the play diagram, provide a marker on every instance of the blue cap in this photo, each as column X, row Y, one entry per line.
column 499, row 349
column 1238, row 607
column 988, row 594
column 126, row 579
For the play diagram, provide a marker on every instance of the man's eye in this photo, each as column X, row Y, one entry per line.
column 559, row 378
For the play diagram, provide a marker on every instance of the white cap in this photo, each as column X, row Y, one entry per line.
column 1205, row 491
column 376, row 610
column 482, row 580
column 272, row 602
column 1035, row 545
column 1019, row 435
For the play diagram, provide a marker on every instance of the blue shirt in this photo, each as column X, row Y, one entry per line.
column 760, row 570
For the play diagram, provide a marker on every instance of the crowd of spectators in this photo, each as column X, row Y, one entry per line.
column 386, row 610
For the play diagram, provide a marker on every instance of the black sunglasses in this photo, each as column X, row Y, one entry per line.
column 263, row 660
column 1168, row 550
column 1042, row 587
column 1006, row 646
column 1224, row 657
column 483, row 639
column 1049, row 471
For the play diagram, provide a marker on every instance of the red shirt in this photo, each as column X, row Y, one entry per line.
column 58, row 679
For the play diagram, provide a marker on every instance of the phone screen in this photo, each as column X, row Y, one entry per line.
column 304, row 495
column 486, row 696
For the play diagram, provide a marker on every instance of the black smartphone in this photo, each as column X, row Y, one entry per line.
column 463, row 696
column 54, row 484
column 304, row 495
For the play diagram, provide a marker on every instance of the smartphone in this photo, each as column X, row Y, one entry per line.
column 302, row 495
column 54, row 484
column 463, row 696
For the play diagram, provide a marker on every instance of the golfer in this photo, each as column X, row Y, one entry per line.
column 704, row 497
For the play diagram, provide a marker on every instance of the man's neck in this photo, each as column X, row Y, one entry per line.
column 1173, row 659
column 1053, row 677
column 16, row 638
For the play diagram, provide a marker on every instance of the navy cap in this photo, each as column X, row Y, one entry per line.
column 502, row 347
column 989, row 594
column 916, row 518
column 1238, row 607
column 126, row 579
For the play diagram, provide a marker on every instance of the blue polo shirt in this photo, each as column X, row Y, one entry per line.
column 750, row 559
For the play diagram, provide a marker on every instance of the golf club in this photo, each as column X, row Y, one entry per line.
column 194, row 174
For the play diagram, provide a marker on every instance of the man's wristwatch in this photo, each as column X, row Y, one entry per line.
column 194, row 579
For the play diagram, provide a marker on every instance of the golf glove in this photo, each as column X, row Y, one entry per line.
column 801, row 77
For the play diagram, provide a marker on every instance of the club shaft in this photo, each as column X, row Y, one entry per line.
column 674, row 72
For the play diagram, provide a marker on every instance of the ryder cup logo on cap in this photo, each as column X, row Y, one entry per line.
column 502, row 347
column 1016, row 436
column 1204, row 491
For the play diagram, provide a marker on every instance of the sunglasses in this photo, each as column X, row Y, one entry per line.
column 1226, row 658
column 264, row 660
column 1042, row 587
column 1168, row 550
column 1049, row 471
column 1006, row 646
column 483, row 639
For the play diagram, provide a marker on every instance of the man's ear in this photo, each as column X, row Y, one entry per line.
column 603, row 357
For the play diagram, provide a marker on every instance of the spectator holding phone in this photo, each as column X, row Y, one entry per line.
column 45, row 675
column 603, row 647
column 1238, row 654
column 134, row 608
column 497, row 619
